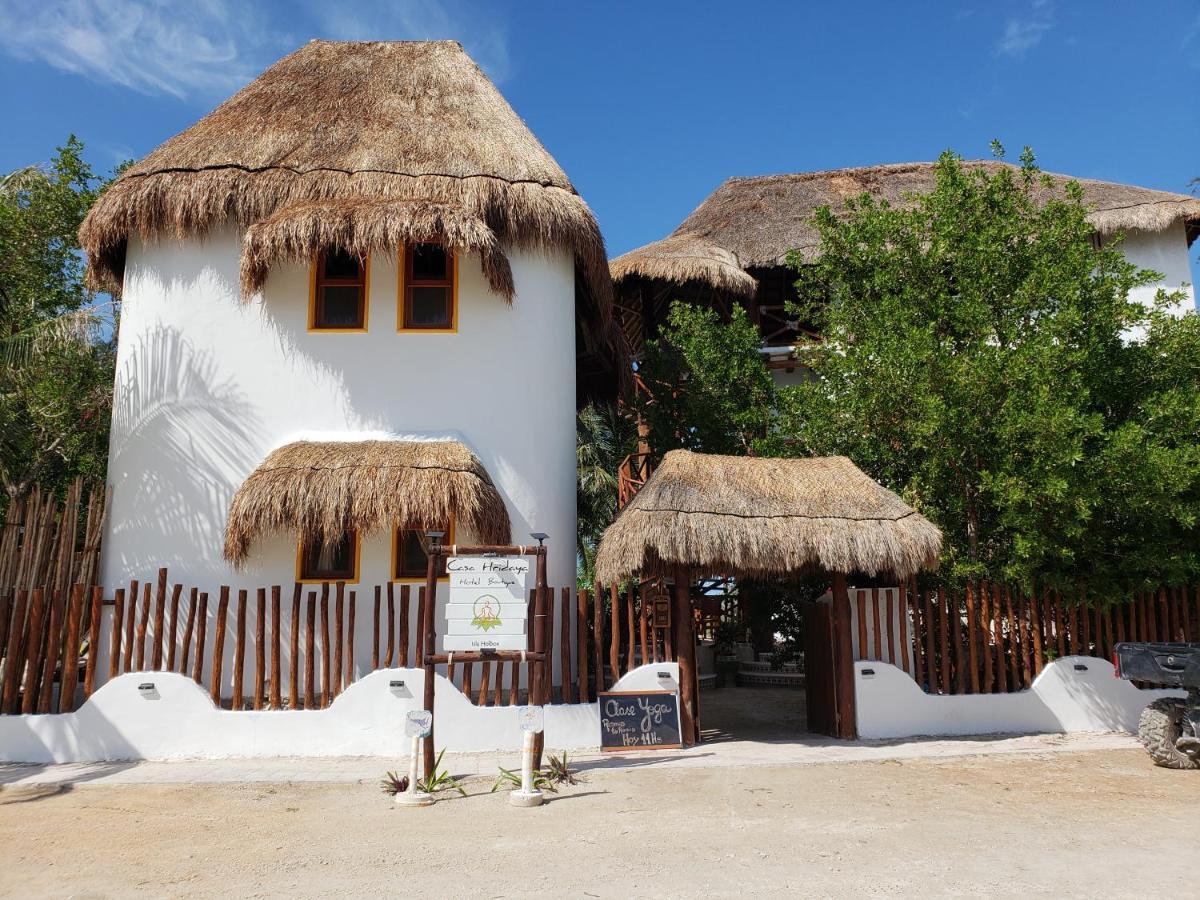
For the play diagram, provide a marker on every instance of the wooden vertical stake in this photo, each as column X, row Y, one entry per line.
column 276, row 651
column 201, row 634
column 33, row 652
column 1014, row 654
column 877, row 642
column 972, row 638
column 114, row 653
column 960, row 678
column 160, row 603
column 310, row 660
column 173, row 627
column 581, row 647
column 188, row 630
column 891, row 617
column 843, row 660
column 127, row 655
column 630, row 625
column 998, row 638
column 1036, row 624
column 219, row 644
column 70, row 664
column 568, row 683
column 905, row 661
column 598, row 637
column 914, row 602
column 143, row 624
column 239, row 651
column 426, row 600
column 13, row 653
column 944, row 632
column 860, row 598
column 375, row 630
column 350, row 670
column 985, row 610
column 614, row 645
column 294, row 660
column 339, row 611
column 89, row 679
column 260, row 646
column 56, row 613
column 419, row 643
column 930, row 651
column 405, row 594
column 643, row 636
column 391, row 625
column 684, row 624
column 324, row 645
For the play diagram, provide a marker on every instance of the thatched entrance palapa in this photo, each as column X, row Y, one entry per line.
column 756, row 517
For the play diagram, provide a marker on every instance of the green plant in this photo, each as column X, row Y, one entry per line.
column 393, row 784
column 440, row 780
column 725, row 636
column 560, row 771
column 540, row 781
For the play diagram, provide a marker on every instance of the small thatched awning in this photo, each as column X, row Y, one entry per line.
column 322, row 489
column 682, row 258
column 754, row 516
column 363, row 225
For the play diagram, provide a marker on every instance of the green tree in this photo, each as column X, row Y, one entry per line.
column 56, row 363
column 982, row 356
column 604, row 436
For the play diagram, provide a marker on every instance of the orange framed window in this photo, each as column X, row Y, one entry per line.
column 329, row 561
column 410, row 552
column 338, row 300
column 429, row 288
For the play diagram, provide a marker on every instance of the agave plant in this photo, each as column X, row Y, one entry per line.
column 440, row 780
column 540, row 781
column 393, row 784
column 560, row 771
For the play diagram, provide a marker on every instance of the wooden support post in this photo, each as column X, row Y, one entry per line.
column 239, row 652
column 173, row 626
column 911, row 599
column 944, row 632
column 1037, row 622
column 426, row 601
column 581, row 647
column 905, row 661
column 860, row 598
column 931, row 660
column 325, row 645
column 985, row 610
column 114, row 653
column 843, row 660
column 877, row 643
column 201, row 635
column 294, row 660
column 541, row 633
column 598, row 637
column 276, row 667
column 630, row 625
column 960, row 675
column 890, row 617
column 973, row 637
column 70, row 664
column 350, row 668
column 33, row 651
column 339, row 612
column 564, row 620
column 160, row 604
column 998, row 639
column 419, row 643
column 375, row 631
column 56, row 613
column 14, row 653
column 684, row 624
column 310, row 651
column 188, row 631
column 614, row 644
column 143, row 624
column 643, row 624
column 1014, row 647
column 260, row 646
column 127, row 655
column 391, row 626
column 219, row 645
column 405, row 593
column 89, row 678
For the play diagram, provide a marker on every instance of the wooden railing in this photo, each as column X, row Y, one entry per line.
column 631, row 476
column 993, row 638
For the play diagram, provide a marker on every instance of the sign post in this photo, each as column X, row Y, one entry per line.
column 532, row 719
column 417, row 724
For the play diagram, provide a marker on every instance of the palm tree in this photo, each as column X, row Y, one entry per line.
column 604, row 436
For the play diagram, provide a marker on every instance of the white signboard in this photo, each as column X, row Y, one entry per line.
column 418, row 723
column 531, row 718
column 488, row 604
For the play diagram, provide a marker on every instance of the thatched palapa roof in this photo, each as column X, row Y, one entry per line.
column 755, row 516
column 321, row 489
column 753, row 222
column 392, row 141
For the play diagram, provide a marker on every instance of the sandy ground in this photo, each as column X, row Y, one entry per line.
column 1071, row 823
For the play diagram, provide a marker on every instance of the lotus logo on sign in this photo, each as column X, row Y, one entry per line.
column 487, row 606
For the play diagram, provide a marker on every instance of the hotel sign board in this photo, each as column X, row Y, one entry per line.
column 487, row 605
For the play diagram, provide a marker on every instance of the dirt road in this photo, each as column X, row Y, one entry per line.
column 1071, row 824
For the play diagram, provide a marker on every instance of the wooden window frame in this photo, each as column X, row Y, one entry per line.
column 406, row 282
column 355, row 575
column 414, row 579
column 316, row 282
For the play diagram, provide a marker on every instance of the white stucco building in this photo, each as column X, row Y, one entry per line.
column 366, row 244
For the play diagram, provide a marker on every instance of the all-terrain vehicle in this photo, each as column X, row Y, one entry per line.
column 1169, row 728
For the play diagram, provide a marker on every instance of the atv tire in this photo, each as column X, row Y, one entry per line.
column 1159, row 728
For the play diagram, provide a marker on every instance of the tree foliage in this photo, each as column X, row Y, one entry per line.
column 604, row 436
column 982, row 356
column 56, row 363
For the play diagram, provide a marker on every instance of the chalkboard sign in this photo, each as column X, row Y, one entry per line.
column 639, row 720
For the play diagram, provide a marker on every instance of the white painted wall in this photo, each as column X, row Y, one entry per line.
column 1062, row 699
column 1165, row 252
column 207, row 385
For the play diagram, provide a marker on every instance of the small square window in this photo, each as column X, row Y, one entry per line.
column 339, row 292
column 411, row 554
column 330, row 561
column 429, row 289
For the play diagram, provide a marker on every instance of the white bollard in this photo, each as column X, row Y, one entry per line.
column 527, row 795
column 413, row 797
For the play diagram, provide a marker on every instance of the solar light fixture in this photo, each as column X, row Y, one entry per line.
column 539, row 536
column 435, row 536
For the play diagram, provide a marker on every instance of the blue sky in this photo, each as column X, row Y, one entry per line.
column 649, row 106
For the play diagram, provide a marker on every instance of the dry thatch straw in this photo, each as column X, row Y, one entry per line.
column 754, row 516
column 682, row 258
column 368, row 226
column 321, row 489
column 355, row 123
column 757, row 221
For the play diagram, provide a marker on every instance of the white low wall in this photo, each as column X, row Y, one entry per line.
column 1062, row 699
column 180, row 721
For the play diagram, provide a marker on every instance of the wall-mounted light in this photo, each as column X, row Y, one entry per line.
column 147, row 691
column 539, row 536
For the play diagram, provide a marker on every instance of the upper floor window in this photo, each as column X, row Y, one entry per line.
column 410, row 553
column 330, row 560
column 339, row 295
column 428, row 292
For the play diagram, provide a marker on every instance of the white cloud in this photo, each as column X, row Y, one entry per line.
column 474, row 26
column 1025, row 32
column 203, row 47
